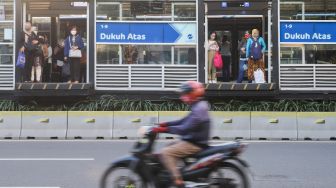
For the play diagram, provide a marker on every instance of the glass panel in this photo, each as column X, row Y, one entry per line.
column 43, row 24
column 185, row 55
column 291, row 11
column 186, row 12
column 6, row 54
column 314, row 10
column 6, row 32
column 291, row 55
column 107, row 11
column 107, row 54
column 146, row 54
column 320, row 54
column 6, row 10
column 147, row 10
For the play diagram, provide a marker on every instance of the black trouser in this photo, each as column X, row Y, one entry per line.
column 46, row 72
column 75, row 69
column 226, row 68
column 28, row 65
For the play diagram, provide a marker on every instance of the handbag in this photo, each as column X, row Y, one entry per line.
column 218, row 62
column 74, row 53
column 259, row 76
column 21, row 60
column 66, row 69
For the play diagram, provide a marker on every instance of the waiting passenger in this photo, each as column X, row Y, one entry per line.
column 29, row 45
column 36, row 71
column 47, row 53
column 213, row 48
column 226, row 56
column 242, row 57
column 73, row 45
column 62, row 76
column 255, row 50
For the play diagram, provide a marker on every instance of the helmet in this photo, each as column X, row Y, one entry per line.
column 191, row 91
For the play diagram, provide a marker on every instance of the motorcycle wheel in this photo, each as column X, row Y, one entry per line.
column 228, row 175
column 121, row 177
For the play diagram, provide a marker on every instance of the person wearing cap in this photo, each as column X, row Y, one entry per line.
column 194, row 129
column 242, row 57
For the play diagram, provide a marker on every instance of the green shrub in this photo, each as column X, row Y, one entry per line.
column 110, row 103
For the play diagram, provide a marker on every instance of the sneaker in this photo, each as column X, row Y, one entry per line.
column 214, row 81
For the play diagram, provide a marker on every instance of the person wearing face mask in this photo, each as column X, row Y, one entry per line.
column 73, row 45
column 212, row 49
column 242, row 57
column 29, row 45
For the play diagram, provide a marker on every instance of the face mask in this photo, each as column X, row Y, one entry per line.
column 73, row 32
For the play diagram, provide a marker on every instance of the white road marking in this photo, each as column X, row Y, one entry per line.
column 46, row 159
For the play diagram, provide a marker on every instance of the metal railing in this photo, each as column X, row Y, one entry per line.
column 143, row 77
column 308, row 77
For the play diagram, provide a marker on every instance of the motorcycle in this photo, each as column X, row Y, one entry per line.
column 217, row 166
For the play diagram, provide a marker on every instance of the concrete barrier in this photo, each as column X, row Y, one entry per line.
column 90, row 125
column 127, row 124
column 44, row 125
column 165, row 116
column 10, row 125
column 230, row 125
column 274, row 125
column 316, row 125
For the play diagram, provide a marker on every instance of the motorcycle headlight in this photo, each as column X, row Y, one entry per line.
column 143, row 130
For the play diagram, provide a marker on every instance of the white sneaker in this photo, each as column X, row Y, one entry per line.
column 209, row 81
column 214, row 81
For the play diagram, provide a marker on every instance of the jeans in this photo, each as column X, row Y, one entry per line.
column 241, row 71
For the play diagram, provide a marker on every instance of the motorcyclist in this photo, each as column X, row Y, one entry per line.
column 194, row 129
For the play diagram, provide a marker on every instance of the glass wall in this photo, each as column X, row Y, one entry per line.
column 307, row 45
column 7, row 44
column 181, row 16
column 145, row 44
column 307, row 10
column 308, row 52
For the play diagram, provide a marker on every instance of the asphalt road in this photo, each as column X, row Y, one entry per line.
column 79, row 164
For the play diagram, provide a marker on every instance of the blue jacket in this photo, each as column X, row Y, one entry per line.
column 195, row 127
column 78, row 42
column 250, row 42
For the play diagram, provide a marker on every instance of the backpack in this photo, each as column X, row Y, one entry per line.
column 256, row 53
column 29, row 44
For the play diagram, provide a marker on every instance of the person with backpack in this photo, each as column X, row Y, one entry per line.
column 37, row 67
column 242, row 57
column 255, row 49
column 47, row 54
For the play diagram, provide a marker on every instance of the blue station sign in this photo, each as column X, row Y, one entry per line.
column 146, row 33
column 308, row 32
